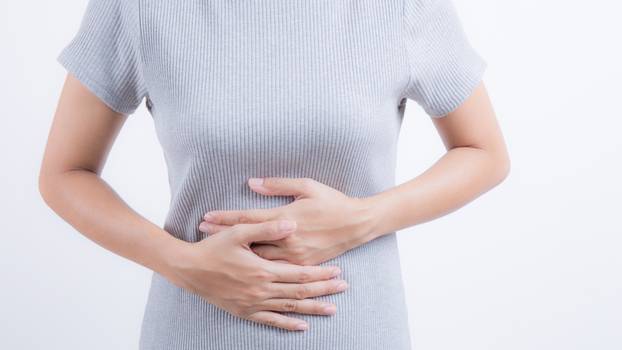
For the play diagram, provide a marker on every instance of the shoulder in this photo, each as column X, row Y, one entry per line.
column 425, row 6
column 113, row 8
column 421, row 14
column 118, row 16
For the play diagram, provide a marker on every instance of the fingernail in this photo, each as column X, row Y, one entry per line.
column 330, row 309
column 255, row 181
column 302, row 326
column 342, row 285
column 287, row 225
column 208, row 217
column 204, row 227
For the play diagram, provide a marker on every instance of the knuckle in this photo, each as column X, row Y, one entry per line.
column 290, row 305
column 262, row 275
column 244, row 303
column 273, row 276
column 238, row 311
column 244, row 218
column 256, row 293
column 301, row 292
column 270, row 322
column 304, row 277
column 263, row 294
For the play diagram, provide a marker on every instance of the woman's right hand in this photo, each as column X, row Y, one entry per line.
column 225, row 271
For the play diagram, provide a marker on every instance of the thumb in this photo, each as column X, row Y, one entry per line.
column 265, row 231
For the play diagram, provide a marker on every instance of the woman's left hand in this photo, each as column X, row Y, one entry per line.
column 329, row 223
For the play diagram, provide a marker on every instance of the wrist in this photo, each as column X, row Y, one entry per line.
column 366, row 212
column 168, row 252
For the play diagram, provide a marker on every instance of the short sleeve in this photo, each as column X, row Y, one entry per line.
column 104, row 54
column 444, row 68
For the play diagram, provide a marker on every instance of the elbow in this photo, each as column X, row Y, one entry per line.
column 44, row 187
column 501, row 168
column 47, row 185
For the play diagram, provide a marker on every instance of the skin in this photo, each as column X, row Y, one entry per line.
column 331, row 223
column 248, row 265
column 222, row 269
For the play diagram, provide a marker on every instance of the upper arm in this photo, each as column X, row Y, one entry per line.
column 105, row 54
column 104, row 84
column 443, row 67
column 472, row 124
column 446, row 77
column 82, row 132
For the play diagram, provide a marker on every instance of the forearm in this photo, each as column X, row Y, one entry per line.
column 93, row 208
column 457, row 178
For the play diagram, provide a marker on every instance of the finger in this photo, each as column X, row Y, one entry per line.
column 234, row 217
column 265, row 231
column 275, row 319
column 269, row 252
column 307, row 290
column 292, row 273
column 283, row 186
column 305, row 306
column 209, row 228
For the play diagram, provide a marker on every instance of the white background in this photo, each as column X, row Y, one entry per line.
column 533, row 264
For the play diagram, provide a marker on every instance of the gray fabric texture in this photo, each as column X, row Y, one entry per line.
column 287, row 88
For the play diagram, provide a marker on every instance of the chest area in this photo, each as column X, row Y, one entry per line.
column 235, row 57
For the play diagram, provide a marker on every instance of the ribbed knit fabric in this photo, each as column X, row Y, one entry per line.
column 289, row 88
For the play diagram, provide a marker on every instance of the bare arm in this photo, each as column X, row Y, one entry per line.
column 223, row 269
column 476, row 161
column 81, row 136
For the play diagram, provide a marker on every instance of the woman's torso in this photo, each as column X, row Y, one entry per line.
column 286, row 88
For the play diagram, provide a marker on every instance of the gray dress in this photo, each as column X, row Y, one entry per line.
column 288, row 88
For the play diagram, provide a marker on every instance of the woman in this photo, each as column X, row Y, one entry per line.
column 279, row 123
